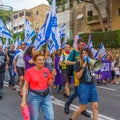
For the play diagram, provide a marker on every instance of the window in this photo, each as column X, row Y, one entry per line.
column 89, row 13
column 119, row 11
column 28, row 14
column 37, row 12
column 21, row 14
column 21, row 26
column 15, row 16
column 15, row 28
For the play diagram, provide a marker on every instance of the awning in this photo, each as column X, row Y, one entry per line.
column 80, row 16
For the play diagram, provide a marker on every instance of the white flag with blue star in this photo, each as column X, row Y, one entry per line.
column 62, row 31
column 3, row 31
column 40, row 39
column 90, row 46
column 52, row 26
column 29, row 32
column 102, row 51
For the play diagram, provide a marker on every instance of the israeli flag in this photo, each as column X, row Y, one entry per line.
column 62, row 31
column 51, row 46
column 102, row 51
column 90, row 46
column 3, row 31
column 29, row 32
column 40, row 39
column 52, row 26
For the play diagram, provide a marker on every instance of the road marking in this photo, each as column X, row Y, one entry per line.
column 106, row 88
column 72, row 107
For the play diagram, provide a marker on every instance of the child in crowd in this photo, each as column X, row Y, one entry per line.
column 117, row 73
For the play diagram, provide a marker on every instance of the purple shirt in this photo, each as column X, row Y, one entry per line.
column 27, row 64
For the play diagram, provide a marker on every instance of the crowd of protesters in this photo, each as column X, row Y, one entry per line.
column 39, row 70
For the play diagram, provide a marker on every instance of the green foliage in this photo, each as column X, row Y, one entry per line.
column 5, row 15
column 58, row 2
column 110, row 39
column 19, row 35
column 70, row 42
column 90, row 18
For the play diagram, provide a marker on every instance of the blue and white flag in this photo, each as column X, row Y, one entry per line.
column 40, row 39
column 29, row 32
column 3, row 31
column 62, row 31
column 102, row 51
column 90, row 46
column 52, row 26
column 51, row 46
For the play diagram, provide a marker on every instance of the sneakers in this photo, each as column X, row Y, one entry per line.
column 86, row 114
column 66, row 108
column 1, row 96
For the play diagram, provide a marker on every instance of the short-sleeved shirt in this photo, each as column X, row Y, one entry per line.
column 38, row 79
column 48, row 63
column 11, row 55
column 27, row 64
column 20, row 60
column 86, row 77
column 2, row 62
column 74, row 56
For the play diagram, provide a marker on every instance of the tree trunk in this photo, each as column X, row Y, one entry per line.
column 109, row 14
column 99, row 15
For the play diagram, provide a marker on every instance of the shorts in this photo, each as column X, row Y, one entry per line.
column 87, row 93
column 20, row 71
column 65, row 76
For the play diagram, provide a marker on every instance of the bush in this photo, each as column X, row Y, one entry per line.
column 110, row 39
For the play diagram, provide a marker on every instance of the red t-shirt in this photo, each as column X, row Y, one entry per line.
column 38, row 79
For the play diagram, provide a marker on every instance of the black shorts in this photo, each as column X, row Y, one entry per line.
column 65, row 76
column 20, row 71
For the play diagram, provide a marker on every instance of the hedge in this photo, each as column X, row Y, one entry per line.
column 110, row 39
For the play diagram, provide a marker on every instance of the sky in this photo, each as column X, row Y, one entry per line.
column 23, row 4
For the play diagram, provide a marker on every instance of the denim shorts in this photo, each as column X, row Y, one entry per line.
column 87, row 93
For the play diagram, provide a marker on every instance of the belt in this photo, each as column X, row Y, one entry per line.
column 43, row 94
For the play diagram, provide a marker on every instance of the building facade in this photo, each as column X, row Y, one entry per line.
column 39, row 14
column 35, row 15
column 86, row 19
column 64, row 16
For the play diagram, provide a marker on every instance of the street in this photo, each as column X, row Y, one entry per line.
column 109, row 104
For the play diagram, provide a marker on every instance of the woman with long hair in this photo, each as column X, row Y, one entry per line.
column 28, row 57
column 86, row 90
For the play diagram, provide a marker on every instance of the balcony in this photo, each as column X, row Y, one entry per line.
column 94, row 19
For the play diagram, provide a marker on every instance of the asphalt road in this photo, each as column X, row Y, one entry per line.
column 109, row 104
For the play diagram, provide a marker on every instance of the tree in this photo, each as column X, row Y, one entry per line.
column 109, row 14
column 5, row 15
column 58, row 2
column 98, row 12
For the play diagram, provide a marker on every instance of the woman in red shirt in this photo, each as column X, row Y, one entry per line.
column 37, row 80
